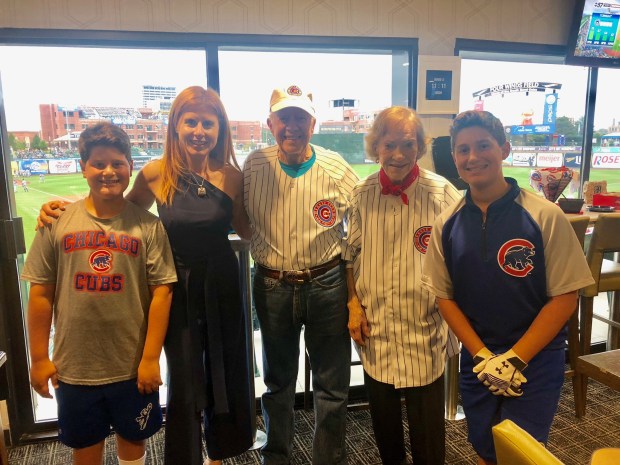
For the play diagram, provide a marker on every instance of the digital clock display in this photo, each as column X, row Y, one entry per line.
column 438, row 85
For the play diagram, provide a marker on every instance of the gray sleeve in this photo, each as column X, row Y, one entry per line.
column 41, row 266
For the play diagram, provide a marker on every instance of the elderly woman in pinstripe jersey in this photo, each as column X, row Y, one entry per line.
column 402, row 340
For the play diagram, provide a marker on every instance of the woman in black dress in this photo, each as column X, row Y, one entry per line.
column 198, row 189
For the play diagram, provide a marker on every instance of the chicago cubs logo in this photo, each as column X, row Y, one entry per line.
column 294, row 90
column 324, row 213
column 100, row 261
column 421, row 238
column 514, row 257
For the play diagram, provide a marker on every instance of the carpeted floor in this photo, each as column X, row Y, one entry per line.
column 572, row 440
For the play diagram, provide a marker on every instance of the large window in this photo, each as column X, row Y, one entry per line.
column 541, row 106
column 519, row 77
column 51, row 93
column 348, row 90
column 541, row 103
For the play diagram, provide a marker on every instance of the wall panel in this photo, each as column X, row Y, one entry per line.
column 435, row 22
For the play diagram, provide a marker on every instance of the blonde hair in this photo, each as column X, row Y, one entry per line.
column 174, row 163
column 398, row 116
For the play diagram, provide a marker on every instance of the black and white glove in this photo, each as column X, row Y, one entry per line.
column 481, row 358
column 502, row 374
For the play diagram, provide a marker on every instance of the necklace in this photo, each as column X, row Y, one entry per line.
column 201, row 190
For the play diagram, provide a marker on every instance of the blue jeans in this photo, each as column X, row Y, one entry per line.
column 282, row 309
column 533, row 411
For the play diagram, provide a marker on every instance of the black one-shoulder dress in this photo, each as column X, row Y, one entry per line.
column 206, row 348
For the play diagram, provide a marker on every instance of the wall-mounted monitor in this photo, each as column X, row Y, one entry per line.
column 594, row 35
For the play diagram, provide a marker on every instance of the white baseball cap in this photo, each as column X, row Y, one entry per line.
column 292, row 96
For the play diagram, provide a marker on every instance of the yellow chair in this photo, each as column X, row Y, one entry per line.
column 608, row 456
column 606, row 274
column 515, row 446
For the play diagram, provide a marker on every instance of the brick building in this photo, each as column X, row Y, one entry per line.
column 146, row 129
column 248, row 134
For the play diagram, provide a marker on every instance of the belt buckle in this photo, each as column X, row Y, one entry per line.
column 297, row 277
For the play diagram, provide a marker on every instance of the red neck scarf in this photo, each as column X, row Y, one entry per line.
column 389, row 188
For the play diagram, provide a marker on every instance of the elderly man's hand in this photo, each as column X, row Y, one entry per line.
column 358, row 324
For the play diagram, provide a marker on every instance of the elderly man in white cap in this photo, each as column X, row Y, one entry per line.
column 296, row 195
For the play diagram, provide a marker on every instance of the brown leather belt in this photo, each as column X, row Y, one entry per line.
column 301, row 276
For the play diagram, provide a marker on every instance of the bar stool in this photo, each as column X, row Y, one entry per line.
column 580, row 226
column 606, row 274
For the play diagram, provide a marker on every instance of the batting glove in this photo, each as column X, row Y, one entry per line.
column 502, row 374
column 481, row 358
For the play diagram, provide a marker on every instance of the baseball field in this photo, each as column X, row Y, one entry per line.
column 73, row 186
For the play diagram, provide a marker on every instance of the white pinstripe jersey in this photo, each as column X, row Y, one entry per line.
column 388, row 239
column 297, row 222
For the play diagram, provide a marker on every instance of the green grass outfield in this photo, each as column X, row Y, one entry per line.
column 64, row 186
column 73, row 186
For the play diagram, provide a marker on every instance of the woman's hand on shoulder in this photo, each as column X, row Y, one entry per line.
column 49, row 212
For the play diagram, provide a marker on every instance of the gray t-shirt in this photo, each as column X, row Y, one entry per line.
column 102, row 269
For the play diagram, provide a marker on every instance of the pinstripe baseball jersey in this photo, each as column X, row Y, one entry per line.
column 297, row 222
column 387, row 240
column 502, row 271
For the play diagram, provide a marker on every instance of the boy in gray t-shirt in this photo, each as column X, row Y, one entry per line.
column 103, row 272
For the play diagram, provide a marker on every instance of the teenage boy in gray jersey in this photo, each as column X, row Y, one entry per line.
column 103, row 273
column 497, row 263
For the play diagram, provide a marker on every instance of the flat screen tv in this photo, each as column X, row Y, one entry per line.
column 594, row 38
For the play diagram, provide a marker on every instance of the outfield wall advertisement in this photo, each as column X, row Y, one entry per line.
column 606, row 157
column 34, row 166
column 524, row 159
column 606, row 160
column 549, row 160
column 63, row 166
column 525, row 156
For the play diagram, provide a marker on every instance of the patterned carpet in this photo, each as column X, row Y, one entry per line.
column 572, row 440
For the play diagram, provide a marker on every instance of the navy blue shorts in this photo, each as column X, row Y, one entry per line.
column 533, row 411
column 86, row 413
